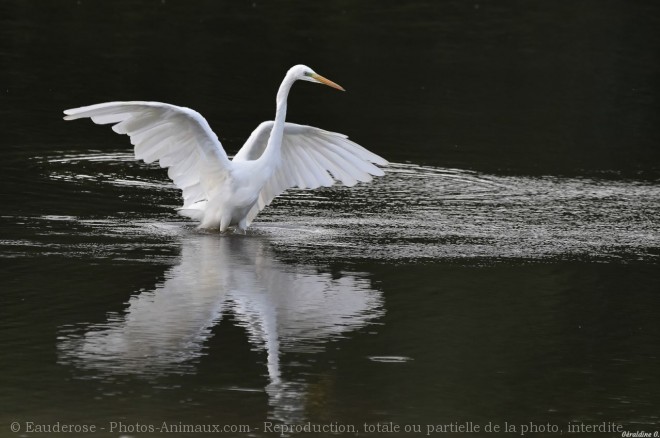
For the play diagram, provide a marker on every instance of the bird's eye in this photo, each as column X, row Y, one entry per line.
column 308, row 73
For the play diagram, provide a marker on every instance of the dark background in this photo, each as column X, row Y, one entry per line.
column 531, row 87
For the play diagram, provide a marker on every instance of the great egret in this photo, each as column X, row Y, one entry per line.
column 222, row 193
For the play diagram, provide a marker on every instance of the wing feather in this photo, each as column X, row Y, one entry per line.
column 178, row 137
column 306, row 179
column 321, row 175
column 338, row 167
column 327, row 161
column 311, row 158
column 360, row 168
column 104, row 119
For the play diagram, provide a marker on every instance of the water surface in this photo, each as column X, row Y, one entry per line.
column 504, row 268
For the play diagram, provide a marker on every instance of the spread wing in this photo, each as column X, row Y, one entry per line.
column 177, row 137
column 311, row 158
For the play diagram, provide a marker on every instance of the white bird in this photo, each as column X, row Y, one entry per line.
column 223, row 193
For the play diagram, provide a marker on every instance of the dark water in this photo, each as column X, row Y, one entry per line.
column 504, row 270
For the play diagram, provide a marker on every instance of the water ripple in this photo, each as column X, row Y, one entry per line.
column 413, row 213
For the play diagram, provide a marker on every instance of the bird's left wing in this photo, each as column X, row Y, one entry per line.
column 178, row 137
column 311, row 158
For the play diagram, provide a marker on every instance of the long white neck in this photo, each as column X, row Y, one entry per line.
column 271, row 155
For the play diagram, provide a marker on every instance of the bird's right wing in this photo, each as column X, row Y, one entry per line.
column 311, row 158
column 179, row 138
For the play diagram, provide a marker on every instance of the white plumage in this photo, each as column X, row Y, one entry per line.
column 223, row 193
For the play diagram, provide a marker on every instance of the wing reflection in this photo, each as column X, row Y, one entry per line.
column 283, row 308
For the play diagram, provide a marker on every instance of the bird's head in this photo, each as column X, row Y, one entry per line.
column 304, row 73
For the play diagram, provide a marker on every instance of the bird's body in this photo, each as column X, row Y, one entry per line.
column 223, row 193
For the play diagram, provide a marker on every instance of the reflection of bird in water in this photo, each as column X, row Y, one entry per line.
column 222, row 193
column 283, row 308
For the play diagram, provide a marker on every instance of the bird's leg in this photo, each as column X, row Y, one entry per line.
column 224, row 224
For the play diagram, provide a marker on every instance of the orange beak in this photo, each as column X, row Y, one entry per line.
column 327, row 82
